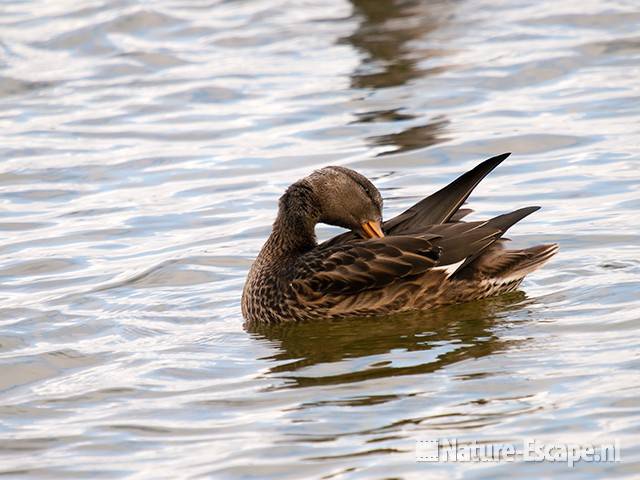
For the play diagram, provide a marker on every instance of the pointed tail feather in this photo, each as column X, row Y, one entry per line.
column 515, row 264
column 533, row 259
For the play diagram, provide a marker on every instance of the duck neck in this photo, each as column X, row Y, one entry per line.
column 294, row 228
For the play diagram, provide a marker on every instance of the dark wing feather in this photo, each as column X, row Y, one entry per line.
column 467, row 241
column 442, row 205
column 459, row 241
column 356, row 267
column 460, row 214
column 501, row 223
column 505, row 221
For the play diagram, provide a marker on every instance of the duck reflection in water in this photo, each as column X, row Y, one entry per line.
column 433, row 340
column 387, row 36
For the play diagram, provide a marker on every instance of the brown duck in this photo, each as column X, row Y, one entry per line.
column 423, row 258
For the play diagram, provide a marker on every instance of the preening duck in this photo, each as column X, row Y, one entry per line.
column 421, row 259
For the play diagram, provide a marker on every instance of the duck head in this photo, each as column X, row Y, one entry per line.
column 336, row 196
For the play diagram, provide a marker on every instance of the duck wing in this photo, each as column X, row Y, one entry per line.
column 327, row 275
column 385, row 274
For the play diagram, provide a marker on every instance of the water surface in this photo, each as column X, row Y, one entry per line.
column 143, row 148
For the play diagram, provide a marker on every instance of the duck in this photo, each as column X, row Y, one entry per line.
column 424, row 258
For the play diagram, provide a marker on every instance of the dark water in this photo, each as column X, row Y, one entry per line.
column 143, row 148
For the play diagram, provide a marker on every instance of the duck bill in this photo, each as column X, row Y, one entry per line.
column 372, row 229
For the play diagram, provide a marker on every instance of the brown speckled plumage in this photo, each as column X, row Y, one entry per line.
column 428, row 257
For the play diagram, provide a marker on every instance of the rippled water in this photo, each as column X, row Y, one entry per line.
column 143, row 148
